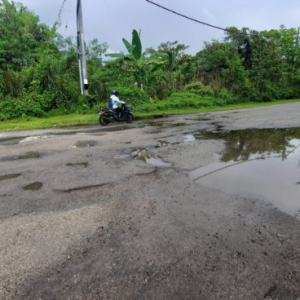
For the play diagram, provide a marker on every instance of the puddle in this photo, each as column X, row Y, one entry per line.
column 261, row 163
column 177, row 124
column 189, row 138
column 156, row 132
column 152, row 117
column 153, row 123
column 158, row 123
column 84, row 145
column 11, row 142
column 78, row 165
column 144, row 155
column 200, row 118
column 163, row 143
column 35, row 138
column 29, row 156
column 127, row 143
column 10, row 176
column 74, row 126
column 35, row 186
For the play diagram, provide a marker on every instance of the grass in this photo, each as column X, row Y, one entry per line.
column 92, row 118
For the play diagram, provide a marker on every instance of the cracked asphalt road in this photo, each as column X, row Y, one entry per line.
column 106, row 226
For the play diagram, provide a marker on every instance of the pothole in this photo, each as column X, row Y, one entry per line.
column 35, row 138
column 145, row 156
column 35, row 186
column 177, row 124
column 11, row 142
column 29, row 156
column 85, row 144
column 189, row 138
column 259, row 163
column 9, row 176
column 156, row 132
column 200, row 118
column 82, row 165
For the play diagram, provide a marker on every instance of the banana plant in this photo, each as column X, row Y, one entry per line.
column 137, row 62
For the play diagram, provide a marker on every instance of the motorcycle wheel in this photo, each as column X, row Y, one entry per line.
column 102, row 121
column 129, row 118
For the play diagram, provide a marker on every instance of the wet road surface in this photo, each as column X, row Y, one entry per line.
column 201, row 206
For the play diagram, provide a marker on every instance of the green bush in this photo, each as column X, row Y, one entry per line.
column 199, row 89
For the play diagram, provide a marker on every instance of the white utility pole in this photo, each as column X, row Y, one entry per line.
column 81, row 51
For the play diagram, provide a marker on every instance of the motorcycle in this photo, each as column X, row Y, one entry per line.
column 108, row 115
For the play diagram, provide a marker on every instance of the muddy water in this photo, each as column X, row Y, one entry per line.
column 10, row 176
column 35, row 186
column 261, row 164
column 29, row 156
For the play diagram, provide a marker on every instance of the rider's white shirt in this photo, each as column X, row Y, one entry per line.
column 116, row 100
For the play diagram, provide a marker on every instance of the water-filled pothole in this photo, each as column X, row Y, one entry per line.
column 144, row 155
column 74, row 126
column 9, row 176
column 199, row 118
column 189, row 138
column 85, row 144
column 82, row 165
column 259, row 163
column 29, row 156
column 35, row 186
column 11, row 142
column 156, row 132
column 177, row 124
column 35, row 138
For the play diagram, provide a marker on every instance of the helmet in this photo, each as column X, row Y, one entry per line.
column 114, row 92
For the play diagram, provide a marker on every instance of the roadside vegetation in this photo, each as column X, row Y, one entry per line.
column 39, row 75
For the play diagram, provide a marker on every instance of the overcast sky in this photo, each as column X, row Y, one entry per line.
column 111, row 20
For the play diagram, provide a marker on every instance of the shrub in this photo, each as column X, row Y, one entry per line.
column 199, row 89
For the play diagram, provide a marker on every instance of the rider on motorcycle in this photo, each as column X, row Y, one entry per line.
column 115, row 101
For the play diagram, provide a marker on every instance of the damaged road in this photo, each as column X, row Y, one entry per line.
column 119, row 215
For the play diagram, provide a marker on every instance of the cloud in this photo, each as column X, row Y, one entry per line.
column 109, row 51
column 210, row 16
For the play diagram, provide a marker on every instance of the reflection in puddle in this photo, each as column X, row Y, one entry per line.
column 10, row 176
column 261, row 164
column 144, row 155
column 189, row 138
column 78, row 165
column 33, row 186
column 36, row 138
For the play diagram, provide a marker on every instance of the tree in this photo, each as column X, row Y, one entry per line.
column 94, row 51
column 136, row 62
column 173, row 50
column 21, row 35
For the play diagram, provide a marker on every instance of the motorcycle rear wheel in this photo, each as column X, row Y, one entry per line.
column 102, row 121
column 129, row 118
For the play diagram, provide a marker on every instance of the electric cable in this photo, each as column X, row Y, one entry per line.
column 213, row 26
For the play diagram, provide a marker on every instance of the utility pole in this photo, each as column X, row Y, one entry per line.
column 297, row 41
column 81, row 51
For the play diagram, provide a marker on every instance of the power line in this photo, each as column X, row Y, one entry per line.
column 213, row 26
